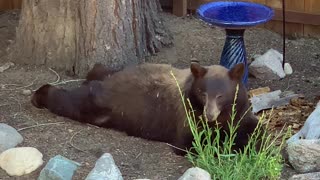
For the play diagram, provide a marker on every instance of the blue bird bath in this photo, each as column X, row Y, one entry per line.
column 235, row 17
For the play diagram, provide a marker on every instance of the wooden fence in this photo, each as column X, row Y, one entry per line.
column 10, row 4
column 302, row 16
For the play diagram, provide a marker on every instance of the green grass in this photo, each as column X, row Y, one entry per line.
column 217, row 157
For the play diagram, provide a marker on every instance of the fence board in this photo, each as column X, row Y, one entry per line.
column 16, row 4
column 312, row 6
column 5, row 5
column 293, row 29
column 307, row 6
column 10, row 4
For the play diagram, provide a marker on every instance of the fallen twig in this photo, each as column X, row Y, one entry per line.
column 58, row 77
column 20, row 107
column 138, row 155
column 39, row 125
column 71, row 144
column 8, row 104
column 65, row 82
column 22, row 87
column 288, row 86
column 177, row 147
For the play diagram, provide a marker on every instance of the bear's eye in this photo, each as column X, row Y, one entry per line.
column 204, row 97
column 219, row 96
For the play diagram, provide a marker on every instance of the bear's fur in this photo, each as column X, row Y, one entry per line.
column 98, row 73
column 77, row 104
column 144, row 101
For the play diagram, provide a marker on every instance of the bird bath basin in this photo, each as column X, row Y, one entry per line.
column 234, row 17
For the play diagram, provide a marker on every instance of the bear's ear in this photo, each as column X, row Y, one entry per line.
column 236, row 72
column 197, row 70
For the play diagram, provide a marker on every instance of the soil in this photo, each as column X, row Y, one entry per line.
column 138, row 158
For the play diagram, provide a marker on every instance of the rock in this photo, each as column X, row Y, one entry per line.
column 58, row 168
column 304, row 155
column 26, row 92
column 105, row 168
column 21, row 160
column 6, row 66
column 268, row 66
column 272, row 99
column 311, row 128
column 287, row 69
column 195, row 173
column 9, row 137
column 307, row 176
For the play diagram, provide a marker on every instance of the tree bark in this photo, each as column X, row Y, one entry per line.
column 73, row 35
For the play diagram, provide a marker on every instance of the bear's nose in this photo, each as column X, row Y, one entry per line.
column 212, row 110
column 212, row 116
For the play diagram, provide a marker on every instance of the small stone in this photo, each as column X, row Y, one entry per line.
column 9, row 137
column 26, row 92
column 21, row 160
column 194, row 59
column 287, row 69
column 307, row 176
column 304, row 155
column 195, row 173
column 58, row 168
column 295, row 126
column 105, row 168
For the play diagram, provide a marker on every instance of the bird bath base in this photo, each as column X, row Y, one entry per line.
column 235, row 17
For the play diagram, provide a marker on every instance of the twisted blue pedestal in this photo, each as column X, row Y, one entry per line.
column 234, row 17
column 234, row 51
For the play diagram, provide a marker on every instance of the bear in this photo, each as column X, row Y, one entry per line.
column 75, row 104
column 98, row 73
column 144, row 101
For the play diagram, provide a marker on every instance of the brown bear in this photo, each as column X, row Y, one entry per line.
column 144, row 101
column 99, row 72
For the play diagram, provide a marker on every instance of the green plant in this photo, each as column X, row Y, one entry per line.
column 217, row 157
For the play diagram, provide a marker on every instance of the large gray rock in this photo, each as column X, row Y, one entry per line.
column 307, row 176
column 195, row 173
column 105, row 168
column 268, row 66
column 310, row 129
column 304, row 155
column 9, row 137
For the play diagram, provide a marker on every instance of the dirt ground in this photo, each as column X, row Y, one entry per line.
column 137, row 158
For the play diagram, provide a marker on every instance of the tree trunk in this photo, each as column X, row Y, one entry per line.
column 73, row 35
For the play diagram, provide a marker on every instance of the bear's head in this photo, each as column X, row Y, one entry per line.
column 214, row 89
column 40, row 96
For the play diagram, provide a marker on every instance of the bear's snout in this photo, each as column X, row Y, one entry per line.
column 212, row 110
